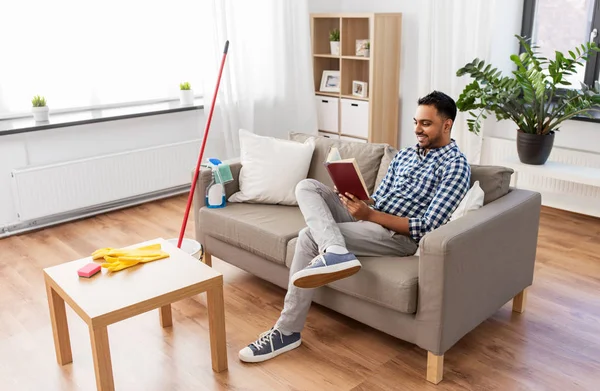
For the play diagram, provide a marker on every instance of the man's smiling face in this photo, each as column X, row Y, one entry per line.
column 432, row 130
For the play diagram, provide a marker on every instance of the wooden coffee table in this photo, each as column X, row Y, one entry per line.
column 107, row 298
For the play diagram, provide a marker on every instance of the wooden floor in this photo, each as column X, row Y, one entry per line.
column 554, row 345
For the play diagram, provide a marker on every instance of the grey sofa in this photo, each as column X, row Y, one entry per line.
column 464, row 271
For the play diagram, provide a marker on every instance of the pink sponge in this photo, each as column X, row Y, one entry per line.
column 89, row 270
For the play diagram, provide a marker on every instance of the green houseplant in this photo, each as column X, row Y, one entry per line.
column 334, row 42
column 39, row 108
column 186, row 94
column 534, row 98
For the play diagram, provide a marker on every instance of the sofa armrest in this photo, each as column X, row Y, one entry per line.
column 204, row 179
column 472, row 266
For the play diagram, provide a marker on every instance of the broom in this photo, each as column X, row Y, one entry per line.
column 197, row 171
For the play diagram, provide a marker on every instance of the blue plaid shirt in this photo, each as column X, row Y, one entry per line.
column 426, row 188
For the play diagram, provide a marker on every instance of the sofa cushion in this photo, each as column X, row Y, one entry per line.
column 494, row 180
column 264, row 230
column 368, row 156
column 390, row 282
column 388, row 155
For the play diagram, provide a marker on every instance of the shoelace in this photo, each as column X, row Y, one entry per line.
column 314, row 260
column 267, row 337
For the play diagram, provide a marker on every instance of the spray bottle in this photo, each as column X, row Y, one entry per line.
column 215, row 192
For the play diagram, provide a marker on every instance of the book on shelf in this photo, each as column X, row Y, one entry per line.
column 346, row 175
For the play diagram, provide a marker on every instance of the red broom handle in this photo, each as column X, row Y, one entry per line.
column 196, row 172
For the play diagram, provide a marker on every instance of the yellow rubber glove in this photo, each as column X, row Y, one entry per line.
column 116, row 259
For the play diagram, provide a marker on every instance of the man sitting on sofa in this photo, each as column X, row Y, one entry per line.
column 422, row 187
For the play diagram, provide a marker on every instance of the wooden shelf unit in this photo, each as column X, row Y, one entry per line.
column 380, row 70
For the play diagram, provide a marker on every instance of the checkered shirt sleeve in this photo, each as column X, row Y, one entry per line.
column 453, row 187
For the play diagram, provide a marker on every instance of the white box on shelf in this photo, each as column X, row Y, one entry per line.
column 327, row 112
column 355, row 118
column 329, row 135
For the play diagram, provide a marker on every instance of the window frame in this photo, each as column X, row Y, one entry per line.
column 592, row 66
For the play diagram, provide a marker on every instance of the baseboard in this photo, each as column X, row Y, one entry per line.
column 36, row 224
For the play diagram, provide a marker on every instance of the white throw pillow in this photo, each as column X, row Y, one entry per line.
column 271, row 168
column 473, row 200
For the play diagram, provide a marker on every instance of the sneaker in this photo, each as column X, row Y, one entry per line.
column 270, row 344
column 326, row 268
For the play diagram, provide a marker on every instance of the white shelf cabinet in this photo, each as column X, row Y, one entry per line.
column 355, row 118
column 327, row 113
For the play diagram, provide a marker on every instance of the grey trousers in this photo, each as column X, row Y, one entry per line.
column 329, row 223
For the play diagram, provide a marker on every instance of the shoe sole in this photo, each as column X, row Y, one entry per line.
column 316, row 278
column 265, row 357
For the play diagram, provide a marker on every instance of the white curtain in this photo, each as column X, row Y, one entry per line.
column 267, row 83
column 453, row 33
column 85, row 53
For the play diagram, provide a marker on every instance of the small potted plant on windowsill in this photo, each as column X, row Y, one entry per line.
column 334, row 42
column 534, row 99
column 39, row 109
column 186, row 94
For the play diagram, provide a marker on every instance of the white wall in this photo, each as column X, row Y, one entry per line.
column 76, row 142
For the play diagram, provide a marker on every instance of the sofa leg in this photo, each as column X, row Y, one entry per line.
column 207, row 258
column 435, row 368
column 519, row 301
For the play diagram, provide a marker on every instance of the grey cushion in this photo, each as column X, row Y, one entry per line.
column 368, row 156
column 264, row 230
column 390, row 282
column 388, row 156
column 494, row 180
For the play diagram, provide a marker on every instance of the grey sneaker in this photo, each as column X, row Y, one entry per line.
column 270, row 344
column 326, row 268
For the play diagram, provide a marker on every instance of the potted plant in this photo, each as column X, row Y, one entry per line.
column 39, row 109
column 186, row 94
column 334, row 41
column 533, row 98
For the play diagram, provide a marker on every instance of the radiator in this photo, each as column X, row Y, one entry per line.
column 556, row 193
column 74, row 185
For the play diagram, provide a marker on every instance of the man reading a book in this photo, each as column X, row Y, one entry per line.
column 423, row 186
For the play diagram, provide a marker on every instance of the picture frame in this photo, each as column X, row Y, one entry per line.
column 359, row 88
column 330, row 81
column 363, row 48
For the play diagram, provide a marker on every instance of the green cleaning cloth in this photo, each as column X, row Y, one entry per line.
column 223, row 173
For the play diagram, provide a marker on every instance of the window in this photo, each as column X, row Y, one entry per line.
column 88, row 53
column 562, row 25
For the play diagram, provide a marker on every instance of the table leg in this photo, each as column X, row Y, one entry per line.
column 60, row 327
column 216, row 324
column 102, row 362
column 166, row 318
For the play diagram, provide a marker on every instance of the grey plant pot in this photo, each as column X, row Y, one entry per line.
column 534, row 148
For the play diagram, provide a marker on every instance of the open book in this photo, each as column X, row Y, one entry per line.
column 346, row 175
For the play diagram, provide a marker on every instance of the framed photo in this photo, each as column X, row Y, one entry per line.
column 363, row 47
column 330, row 82
column 359, row 88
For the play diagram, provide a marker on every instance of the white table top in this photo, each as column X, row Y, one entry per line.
column 108, row 292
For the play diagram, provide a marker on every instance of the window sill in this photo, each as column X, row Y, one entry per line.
column 595, row 117
column 82, row 117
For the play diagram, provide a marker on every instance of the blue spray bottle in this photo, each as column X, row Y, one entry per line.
column 215, row 192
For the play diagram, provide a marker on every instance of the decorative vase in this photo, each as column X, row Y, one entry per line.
column 40, row 114
column 186, row 97
column 335, row 47
column 534, row 148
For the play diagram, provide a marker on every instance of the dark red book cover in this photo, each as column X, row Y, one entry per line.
column 347, row 178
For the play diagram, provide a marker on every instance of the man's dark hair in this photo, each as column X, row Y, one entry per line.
column 442, row 102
